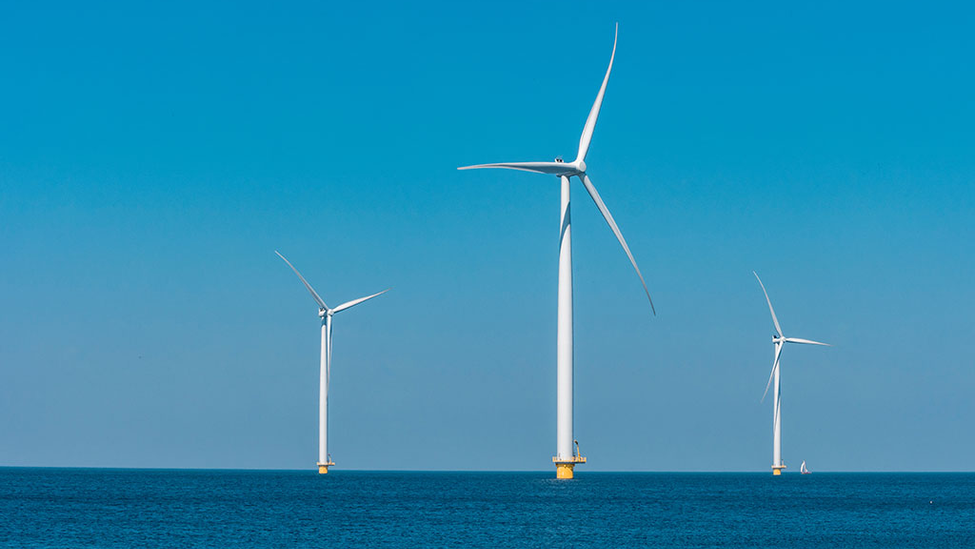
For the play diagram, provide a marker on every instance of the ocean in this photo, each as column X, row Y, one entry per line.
column 42, row 507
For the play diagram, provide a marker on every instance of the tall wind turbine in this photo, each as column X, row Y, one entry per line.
column 564, row 459
column 324, row 461
column 779, row 341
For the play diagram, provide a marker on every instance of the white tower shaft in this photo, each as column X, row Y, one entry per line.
column 777, row 419
column 323, row 394
column 564, row 458
column 564, row 353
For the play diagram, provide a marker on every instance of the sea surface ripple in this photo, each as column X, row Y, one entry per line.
column 46, row 507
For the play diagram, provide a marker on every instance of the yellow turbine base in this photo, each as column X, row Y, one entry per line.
column 777, row 470
column 323, row 467
column 564, row 467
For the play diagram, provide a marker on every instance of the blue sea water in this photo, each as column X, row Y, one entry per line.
column 42, row 507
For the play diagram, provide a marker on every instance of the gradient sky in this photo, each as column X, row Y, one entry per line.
column 152, row 158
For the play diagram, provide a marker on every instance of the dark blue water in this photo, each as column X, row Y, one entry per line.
column 173, row 508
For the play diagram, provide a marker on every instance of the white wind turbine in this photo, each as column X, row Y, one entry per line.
column 565, row 460
column 779, row 341
column 326, row 360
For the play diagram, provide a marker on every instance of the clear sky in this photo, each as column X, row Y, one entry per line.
column 152, row 158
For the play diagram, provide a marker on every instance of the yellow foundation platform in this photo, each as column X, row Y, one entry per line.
column 323, row 467
column 777, row 470
column 564, row 467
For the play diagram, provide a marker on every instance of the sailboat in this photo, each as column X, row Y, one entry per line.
column 803, row 470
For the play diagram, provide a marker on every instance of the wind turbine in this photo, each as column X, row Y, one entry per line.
column 779, row 341
column 324, row 461
column 564, row 459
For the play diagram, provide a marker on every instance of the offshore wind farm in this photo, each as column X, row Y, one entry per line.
column 160, row 383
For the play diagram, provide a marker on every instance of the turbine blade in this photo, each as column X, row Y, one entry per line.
column 775, row 364
column 551, row 168
column 311, row 290
column 806, row 341
column 616, row 230
column 587, row 131
column 778, row 329
column 354, row 302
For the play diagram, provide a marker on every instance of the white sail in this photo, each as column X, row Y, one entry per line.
column 802, row 468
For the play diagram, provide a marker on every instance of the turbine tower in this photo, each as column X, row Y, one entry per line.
column 778, row 341
column 565, row 460
column 324, row 461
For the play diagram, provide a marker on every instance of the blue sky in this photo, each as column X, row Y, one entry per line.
column 152, row 158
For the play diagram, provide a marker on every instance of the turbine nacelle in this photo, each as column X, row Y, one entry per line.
column 561, row 168
column 576, row 167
